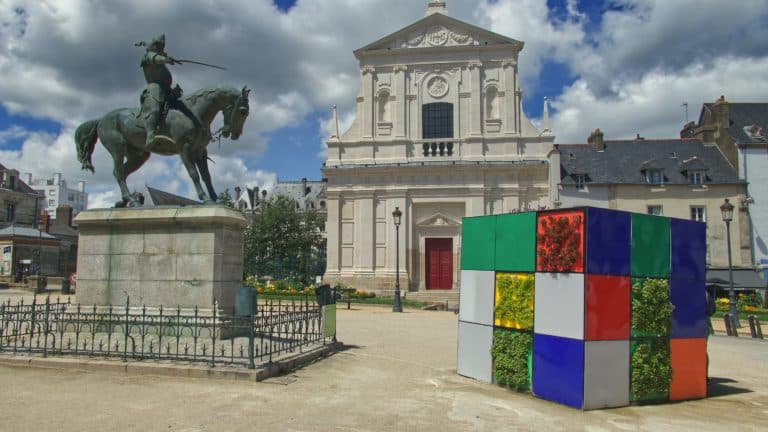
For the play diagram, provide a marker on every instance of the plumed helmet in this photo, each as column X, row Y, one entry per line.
column 158, row 42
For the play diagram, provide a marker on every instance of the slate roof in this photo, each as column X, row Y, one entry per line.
column 16, row 231
column 623, row 162
column 21, row 186
column 743, row 115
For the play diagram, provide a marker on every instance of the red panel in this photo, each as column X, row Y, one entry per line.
column 551, row 253
column 689, row 368
column 608, row 307
column 439, row 263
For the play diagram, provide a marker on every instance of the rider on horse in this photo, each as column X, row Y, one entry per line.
column 158, row 96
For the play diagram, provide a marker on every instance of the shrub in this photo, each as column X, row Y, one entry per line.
column 510, row 353
column 514, row 300
column 559, row 243
column 651, row 370
column 651, row 308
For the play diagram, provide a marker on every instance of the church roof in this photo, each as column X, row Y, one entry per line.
column 435, row 30
column 156, row 197
column 624, row 162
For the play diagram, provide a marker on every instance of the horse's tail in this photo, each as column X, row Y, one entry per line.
column 85, row 138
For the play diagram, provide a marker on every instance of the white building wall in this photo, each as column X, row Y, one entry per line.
column 754, row 169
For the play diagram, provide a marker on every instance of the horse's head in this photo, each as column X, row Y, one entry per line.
column 235, row 115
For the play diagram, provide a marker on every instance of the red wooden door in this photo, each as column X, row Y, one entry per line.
column 439, row 263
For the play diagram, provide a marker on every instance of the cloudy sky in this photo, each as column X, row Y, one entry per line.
column 625, row 66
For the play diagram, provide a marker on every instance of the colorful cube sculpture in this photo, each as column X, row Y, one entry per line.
column 587, row 307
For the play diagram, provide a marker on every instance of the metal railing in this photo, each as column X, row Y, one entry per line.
column 145, row 333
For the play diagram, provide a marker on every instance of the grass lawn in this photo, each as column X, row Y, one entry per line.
column 373, row 301
column 761, row 314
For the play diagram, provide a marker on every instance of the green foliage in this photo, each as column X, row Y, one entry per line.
column 559, row 243
column 745, row 302
column 284, row 242
column 651, row 308
column 510, row 358
column 651, row 370
column 514, row 300
column 225, row 198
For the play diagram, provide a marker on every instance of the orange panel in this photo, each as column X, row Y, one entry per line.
column 560, row 250
column 689, row 368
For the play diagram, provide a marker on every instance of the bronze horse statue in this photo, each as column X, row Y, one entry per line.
column 123, row 134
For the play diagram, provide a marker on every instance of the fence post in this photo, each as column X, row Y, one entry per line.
column 754, row 327
column 45, row 326
column 125, row 328
column 32, row 326
column 251, row 336
column 213, row 334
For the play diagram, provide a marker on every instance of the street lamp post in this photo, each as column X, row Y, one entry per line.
column 396, row 305
column 727, row 211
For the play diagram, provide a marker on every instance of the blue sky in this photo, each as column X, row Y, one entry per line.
column 624, row 66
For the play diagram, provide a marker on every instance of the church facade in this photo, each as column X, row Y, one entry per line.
column 439, row 134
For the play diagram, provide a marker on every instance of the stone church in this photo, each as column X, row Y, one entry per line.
column 439, row 134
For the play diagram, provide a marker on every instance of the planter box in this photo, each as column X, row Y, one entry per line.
column 577, row 267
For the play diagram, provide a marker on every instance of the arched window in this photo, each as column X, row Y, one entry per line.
column 491, row 103
column 385, row 108
column 437, row 120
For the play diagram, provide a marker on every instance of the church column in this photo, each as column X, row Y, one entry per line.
column 400, row 118
column 364, row 241
column 332, row 235
column 368, row 99
column 475, row 103
column 510, row 97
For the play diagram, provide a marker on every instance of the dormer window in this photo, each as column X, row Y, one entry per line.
column 580, row 180
column 654, row 176
column 696, row 177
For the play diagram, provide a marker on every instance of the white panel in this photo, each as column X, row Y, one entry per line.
column 474, row 357
column 476, row 296
column 559, row 305
column 606, row 374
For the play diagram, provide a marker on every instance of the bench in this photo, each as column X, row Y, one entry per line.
column 344, row 295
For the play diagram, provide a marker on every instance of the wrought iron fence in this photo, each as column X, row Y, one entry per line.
column 144, row 333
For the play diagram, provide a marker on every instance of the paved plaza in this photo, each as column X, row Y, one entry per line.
column 398, row 372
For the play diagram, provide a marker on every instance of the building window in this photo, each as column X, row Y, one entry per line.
column 654, row 176
column 437, row 120
column 699, row 213
column 52, row 192
column 696, row 177
column 580, row 179
column 10, row 212
column 52, row 203
column 655, row 210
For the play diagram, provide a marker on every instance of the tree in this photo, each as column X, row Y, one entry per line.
column 225, row 198
column 285, row 242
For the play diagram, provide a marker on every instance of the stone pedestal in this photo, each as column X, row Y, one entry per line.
column 170, row 256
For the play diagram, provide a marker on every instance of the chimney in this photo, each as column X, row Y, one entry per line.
column 44, row 223
column 28, row 178
column 639, row 138
column 64, row 215
column 81, row 186
column 237, row 193
column 57, row 179
column 596, row 140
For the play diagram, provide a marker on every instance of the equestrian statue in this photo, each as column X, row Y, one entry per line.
column 166, row 123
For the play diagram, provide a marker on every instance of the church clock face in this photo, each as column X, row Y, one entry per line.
column 437, row 86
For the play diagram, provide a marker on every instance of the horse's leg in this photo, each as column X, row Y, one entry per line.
column 136, row 159
column 189, row 164
column 202, row 166
column 117, row 146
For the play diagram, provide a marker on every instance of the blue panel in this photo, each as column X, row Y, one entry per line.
column 608, row 242
column 689, row 249
column 689, row 316
column 558, row 369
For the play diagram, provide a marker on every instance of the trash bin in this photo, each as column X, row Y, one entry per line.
column 245, row 301
column 65, row 287
column 323, row 295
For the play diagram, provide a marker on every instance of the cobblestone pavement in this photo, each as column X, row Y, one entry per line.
column 397, row 373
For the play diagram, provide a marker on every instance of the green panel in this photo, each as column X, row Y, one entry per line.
column 650, row 369
column 516, row 242
column 329, row 320
column 650, row 246
column 478, row 238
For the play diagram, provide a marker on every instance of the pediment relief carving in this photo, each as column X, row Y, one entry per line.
column 438, row 220
column 435, row 36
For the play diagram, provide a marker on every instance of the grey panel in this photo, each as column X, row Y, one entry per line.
column 559, row 306
column 476, row 296
column 474, row 357
column 606, row 374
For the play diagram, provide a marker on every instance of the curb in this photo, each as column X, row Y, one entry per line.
column 170, row 369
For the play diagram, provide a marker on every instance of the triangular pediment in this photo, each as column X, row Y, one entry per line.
column 439, row 30
column 438, row 220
